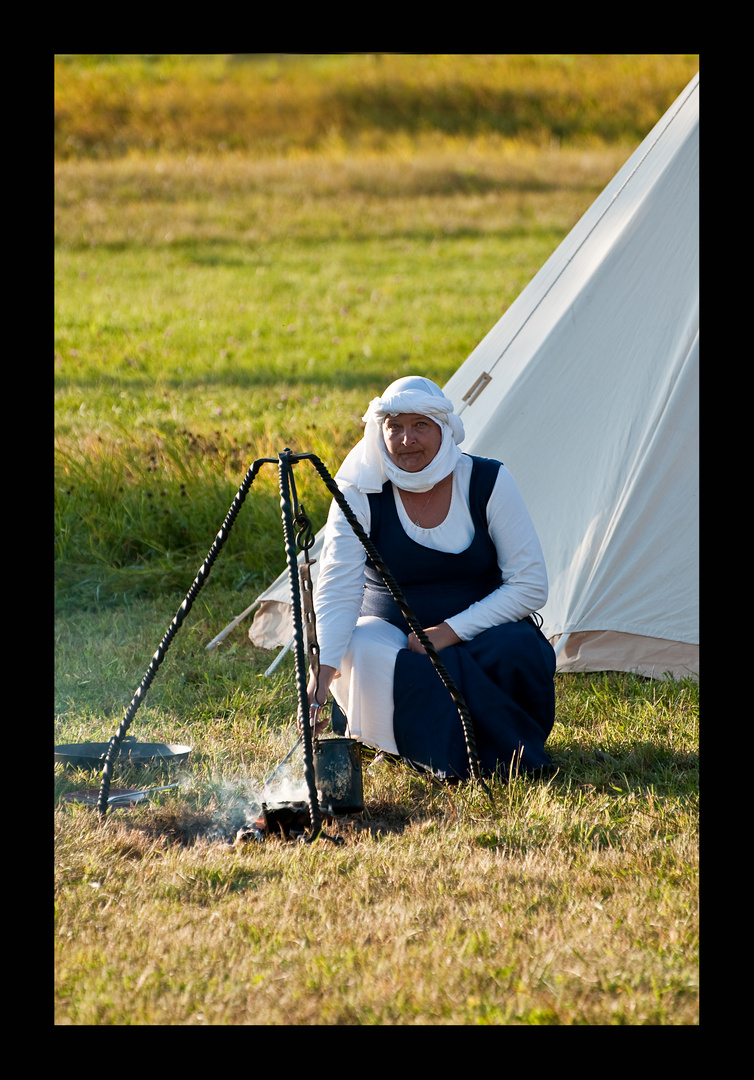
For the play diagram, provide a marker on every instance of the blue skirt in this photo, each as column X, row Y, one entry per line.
column 506, row 677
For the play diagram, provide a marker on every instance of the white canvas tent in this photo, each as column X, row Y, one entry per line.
column 587, row 389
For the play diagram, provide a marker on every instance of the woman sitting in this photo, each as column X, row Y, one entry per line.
column 456, row 536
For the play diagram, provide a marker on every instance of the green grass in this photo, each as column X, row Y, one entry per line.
column 185, row 348
column 590, row 880
column 213, row 308
column 568, row 901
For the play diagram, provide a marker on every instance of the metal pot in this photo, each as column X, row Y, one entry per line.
column 337, row 775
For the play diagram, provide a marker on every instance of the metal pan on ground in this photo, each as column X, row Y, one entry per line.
column 120, row 798
column 91, row 755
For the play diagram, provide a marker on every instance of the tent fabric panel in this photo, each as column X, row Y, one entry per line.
column 582, row 418
column 607, row 214
column 273, row 624
column 606, row 650
column 641, row 574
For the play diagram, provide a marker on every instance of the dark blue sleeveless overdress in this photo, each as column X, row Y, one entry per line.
column 505, row 673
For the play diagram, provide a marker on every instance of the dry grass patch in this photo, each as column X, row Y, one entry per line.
column 110, row 105
column 562, row 904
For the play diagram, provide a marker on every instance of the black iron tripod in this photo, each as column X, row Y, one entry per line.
column 292, row 515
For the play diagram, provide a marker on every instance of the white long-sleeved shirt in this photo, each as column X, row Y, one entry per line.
column 340, row 582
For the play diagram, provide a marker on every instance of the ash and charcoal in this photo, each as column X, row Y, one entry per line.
column 280, row 808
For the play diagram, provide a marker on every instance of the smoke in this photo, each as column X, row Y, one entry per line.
column 288, row 785
column 239, row 800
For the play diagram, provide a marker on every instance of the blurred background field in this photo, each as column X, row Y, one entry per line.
column 108, row 105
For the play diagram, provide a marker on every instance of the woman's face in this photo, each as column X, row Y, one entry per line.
column 412, row 440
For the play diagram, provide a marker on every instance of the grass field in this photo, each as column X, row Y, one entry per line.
column 248, row 250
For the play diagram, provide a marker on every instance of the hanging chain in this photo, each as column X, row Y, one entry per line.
column 285, row 475
column 397, row 594
column 305, row 538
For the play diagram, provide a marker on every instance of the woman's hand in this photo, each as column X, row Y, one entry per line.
column 441, row 637
column 317, row 692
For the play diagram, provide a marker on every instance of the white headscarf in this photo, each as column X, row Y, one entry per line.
column 368, row 465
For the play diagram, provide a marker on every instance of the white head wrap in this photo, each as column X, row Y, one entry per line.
column 368, row 465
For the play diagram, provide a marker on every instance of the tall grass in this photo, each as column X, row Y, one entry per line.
column 106, row 105
column 247, row 250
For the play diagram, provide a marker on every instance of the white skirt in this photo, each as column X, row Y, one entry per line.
column 364, row 690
